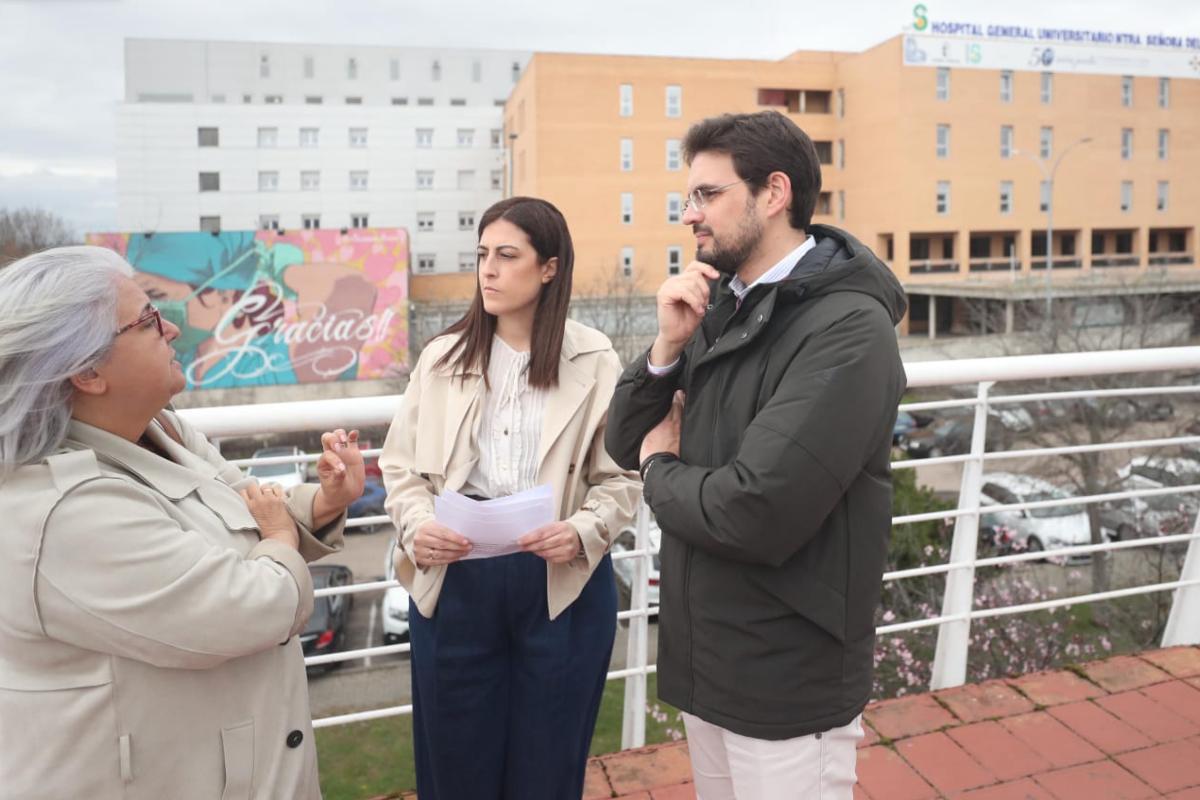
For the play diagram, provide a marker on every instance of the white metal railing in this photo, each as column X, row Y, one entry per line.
column 958, row 609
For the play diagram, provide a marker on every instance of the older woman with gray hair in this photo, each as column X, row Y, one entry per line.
column 150, row 594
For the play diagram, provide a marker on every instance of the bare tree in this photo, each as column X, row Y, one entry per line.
column 28, row 230
column 617, row 305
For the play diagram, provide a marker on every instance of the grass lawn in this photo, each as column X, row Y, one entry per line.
column 372, row 758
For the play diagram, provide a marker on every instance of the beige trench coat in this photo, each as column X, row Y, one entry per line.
column 431, row 446
column 148, row 641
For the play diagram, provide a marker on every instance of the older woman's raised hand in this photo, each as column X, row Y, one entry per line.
column 341, row 469
column 268, row 505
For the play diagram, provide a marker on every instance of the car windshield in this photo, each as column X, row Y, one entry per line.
column 269, row 470
column 1053, row 511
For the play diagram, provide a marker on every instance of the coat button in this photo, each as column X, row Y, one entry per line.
column 294, row 739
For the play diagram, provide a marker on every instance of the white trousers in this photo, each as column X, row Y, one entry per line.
column 728, row 766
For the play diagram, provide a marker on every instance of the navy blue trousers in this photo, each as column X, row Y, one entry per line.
column 504, row 699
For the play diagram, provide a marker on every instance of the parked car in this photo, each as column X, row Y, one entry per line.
column 370, row 504
column 906, row 423
column 623, row 568
column 1167, row 513
column 1113, row 411
column 286, row 475
column 1031, row 529
column 326, row 628
column 394, row 606
column 952, row 436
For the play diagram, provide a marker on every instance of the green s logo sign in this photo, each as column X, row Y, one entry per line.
column 920, row 21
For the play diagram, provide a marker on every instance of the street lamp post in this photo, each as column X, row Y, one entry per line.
column 1048, row 175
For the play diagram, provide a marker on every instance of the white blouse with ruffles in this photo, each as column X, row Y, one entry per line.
column 510, row 427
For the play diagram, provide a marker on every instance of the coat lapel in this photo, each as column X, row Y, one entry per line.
column 459, row 418
column 562, row 403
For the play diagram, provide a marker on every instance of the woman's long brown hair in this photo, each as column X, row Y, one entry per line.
column 547, row 231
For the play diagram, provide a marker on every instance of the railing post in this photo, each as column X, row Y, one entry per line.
column 633, row 726
column 1183, row 623
column 954, row 637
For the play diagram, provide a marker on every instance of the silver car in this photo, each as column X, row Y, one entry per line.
column 1031, row 528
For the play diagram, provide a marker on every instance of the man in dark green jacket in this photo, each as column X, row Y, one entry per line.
column 761, row 419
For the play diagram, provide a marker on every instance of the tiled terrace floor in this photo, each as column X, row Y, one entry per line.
column 1126, row 727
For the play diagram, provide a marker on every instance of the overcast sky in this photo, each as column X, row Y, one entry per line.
column 61, row 60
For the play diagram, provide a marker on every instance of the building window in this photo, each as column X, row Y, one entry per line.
column 310, row 222
column 497, row 179
column 458, row 101
column 425, row 221
column 424, row 101
column 627, row 208
column 358, row 137
column 399, row 101
column 476, row 71
column 1164, row 92
column 1006, row 86
column 841, row 103
column 1164, row 143
column 626, row 155
column 354, row 101
column 627, row 262
column 394, row 69
column 1046, row 143
column 1163, row 189
column 466, row 179
column 516, row 71
column 1127, row 91
column 264, row 66
column 943, row 197
column 824, row 204
column 1127, row 143
column 674, row 260
column 310, row 180
column 268, row 137
column 1006, row 197
column 210, row 224
column 943, row 83
column 310, row 68
column 626, row 105
column 268, row 181
column 674, row 157
column 467, row 262
column 310, row 137
column 358, row 180
column 424, row 137
column 1047, row 88
column 674, row 101
column 352, row 68
column 466, row 220
column 210, row 181
column 841, row 153
column 496, row 138
column 313, row 99
column 435, row 70
column 841, row 204
column 426, row 262
column 466, row 137
column 358, row 221
column 273, row 99
column 247, row 99
column 1043, row 196
column 1126, row 195
column 943, row 141
column 674, row 207
column 424, row 179
column 268, row 222
column 218, row 98
column 1006, row 141
column 208, row 137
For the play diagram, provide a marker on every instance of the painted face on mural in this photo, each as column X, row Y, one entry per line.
column 511, row 276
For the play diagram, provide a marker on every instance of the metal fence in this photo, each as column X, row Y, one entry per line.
column 958, row 603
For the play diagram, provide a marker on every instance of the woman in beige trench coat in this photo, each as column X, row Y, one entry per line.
column 150, row 595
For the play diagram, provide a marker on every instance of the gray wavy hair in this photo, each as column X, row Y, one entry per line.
column 58, row 314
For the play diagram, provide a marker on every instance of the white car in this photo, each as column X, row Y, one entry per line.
column 624, row 567
column 1168, row 513
column 287, row 475
column 1033, row 528
column 394, row 606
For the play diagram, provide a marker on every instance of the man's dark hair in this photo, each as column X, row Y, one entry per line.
column 760, row 144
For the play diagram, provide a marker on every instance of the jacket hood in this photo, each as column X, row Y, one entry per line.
column 841, row 263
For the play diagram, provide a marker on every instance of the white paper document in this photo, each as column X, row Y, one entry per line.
column 493, row 526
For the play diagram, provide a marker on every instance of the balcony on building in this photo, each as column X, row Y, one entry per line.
column 994, row 251
column 932, row 253
column 797, row 101
column 1171, row 247
column 1065, row 250
column 1115, row 247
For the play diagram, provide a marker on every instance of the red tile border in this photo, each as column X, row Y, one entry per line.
column 907, row 716
column 943, row 763
column 1024, row 789
column 1054, row 741
column 684, row 791
column 1167, row 767
column 885, row 776
column 979, row 701
column 1182, row 662
column 595, row 781
column 998, row 751
column 870, row 737
column 1099, row 727
column 1122, row 673
column 1055, row 688
column 1100, row 779
column 648, row 768
column 1178, row 696
column 1151, row 718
